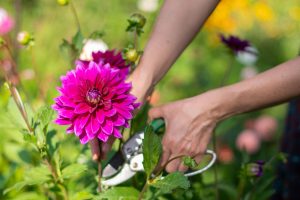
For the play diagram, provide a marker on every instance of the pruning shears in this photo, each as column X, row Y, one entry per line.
column 129, row 159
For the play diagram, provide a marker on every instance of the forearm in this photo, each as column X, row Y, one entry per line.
column 271, row 87
column 177, row 24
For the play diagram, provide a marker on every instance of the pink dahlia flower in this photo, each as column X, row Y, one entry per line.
column 112, row 57
column 94, row 101
column 6, row 22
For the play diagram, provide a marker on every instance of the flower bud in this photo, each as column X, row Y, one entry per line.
column 132, row 55
column 137, row 20
column 255, row 169
column 25, row 38
column 63, row 2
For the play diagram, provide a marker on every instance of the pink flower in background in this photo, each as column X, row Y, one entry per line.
column 95, row 100
column 6, row 22
column 248, row 141
column 113, row 57
column 225, row 154
column 265, row 126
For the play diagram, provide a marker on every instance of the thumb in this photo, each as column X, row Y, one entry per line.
column 156, row 113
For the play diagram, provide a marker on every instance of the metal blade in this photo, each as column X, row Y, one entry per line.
column 125, row 174
column 113, row 165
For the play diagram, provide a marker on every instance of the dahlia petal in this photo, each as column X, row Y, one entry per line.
column 56, row 107
column 83, row 138
column 125, row 113
column 126, row 125
column 110, row 113
column 66, row 101
column 125, row 88
column 77, row 129
column 70, row 129
column 100, row 116
column 81, row 108
column 90, row 72
column 83, row 121
column 66, row 113
column 107, row 127
column 89, row 130
column 95, row 124
column 117, row 133
column 62, row 121
column 136, row 105
column 103, row 137
column 118, row 120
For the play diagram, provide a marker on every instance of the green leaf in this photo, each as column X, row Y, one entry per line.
column 77, row 41
column 37, row 175
column 17, row 187
column 14, row 115
column 189, row 162
column 82, row 195
column 171, row 182
column 152, row 150
column 45, row 116
column 73, row 170
column 120, row 193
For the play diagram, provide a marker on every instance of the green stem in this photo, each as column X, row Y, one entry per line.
column 75, row 14
column 99, row 176
column 241, row 187
column 143, row 191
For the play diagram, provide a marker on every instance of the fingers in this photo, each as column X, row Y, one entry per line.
column 155, row 113
column 106, row 147
column 95, row 148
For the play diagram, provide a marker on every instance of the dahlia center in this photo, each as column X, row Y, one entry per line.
column 93, row 96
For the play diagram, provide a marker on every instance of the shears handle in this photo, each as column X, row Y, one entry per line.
column 211, row 162
column 157, row 124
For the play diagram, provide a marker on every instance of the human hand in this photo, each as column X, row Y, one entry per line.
column 189, row 126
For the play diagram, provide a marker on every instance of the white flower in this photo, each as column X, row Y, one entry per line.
column 148, row 5
column 91, row 46
column 247, row 57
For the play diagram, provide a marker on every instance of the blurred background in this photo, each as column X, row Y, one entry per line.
column 271, row 27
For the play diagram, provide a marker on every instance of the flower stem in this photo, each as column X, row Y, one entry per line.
column 75, row 14
column 17, row 99
column 99, row 176
column 143, row 191
column 241, row 187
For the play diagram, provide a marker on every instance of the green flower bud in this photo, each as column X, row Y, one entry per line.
column 63, row 2
column 25, row 38
column 131, row 55
column 137, row 20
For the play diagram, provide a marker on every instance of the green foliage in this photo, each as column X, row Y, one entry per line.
column 35, row 176
column 119, row 193
column 170, row 182
column 73, row 170
column 152, row 150
column 189, row 162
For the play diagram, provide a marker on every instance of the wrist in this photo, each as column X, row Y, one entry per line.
column 221, row 103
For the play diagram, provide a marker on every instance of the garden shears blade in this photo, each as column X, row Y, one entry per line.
column 129, row 160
